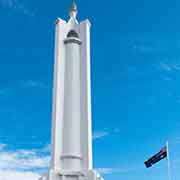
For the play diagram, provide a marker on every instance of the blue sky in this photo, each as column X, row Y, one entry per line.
column 135, row 59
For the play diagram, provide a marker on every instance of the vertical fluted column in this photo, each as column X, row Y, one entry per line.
column 71, row 156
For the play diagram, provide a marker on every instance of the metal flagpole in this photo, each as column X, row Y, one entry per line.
column 168, row 162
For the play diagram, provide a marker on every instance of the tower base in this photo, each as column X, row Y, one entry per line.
column 59, row 175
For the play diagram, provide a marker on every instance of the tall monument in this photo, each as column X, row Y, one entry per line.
column 71, row 118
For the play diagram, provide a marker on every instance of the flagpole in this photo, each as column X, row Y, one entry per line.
column 168, row 162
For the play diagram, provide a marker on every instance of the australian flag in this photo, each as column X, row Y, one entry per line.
column 157, row 157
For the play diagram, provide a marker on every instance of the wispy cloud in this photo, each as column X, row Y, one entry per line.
column 22, row 164
column 166, row 78
column 176, row 66
column 9, row 175
column 16, row 5
column 23, row 159
column 103, row 133
column 100, row 134
column 170, row 65
column 142, row 48
column 105, row 171
column 146, row 43
column 165, row 66
column 34, row 84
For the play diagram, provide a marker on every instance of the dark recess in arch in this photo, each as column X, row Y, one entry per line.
column 72, row 33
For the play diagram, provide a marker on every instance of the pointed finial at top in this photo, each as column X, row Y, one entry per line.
column 73, row 10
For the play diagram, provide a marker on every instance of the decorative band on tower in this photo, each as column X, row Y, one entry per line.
column 73, row 40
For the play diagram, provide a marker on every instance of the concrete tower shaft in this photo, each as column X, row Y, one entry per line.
column 71, row 157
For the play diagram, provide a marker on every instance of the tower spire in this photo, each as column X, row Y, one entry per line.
column 73, row 10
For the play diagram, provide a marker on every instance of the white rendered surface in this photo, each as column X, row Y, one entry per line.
column 71, row 118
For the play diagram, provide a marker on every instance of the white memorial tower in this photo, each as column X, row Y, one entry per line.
column 71, row 157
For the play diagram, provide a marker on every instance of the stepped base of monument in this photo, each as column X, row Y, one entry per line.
column 70, row 175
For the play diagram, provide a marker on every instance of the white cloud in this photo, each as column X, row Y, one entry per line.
column 20, row 164
column 25, row 164
column 9, row 175
column 23, row 159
